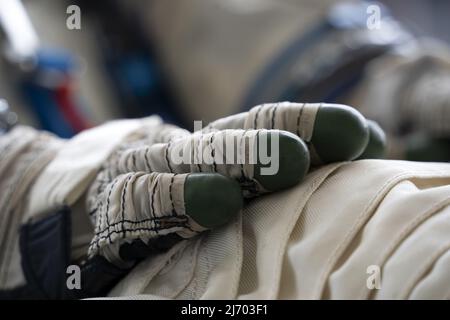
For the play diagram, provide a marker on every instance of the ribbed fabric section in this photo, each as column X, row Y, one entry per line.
column 415, row 256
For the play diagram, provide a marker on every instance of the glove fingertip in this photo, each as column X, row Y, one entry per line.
column 211, row 199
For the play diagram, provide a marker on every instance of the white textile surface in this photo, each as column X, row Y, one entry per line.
column 319, row 240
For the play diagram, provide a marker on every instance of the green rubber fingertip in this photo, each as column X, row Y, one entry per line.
column 211, row 199
column 376, row 147
column 293, row 161
column 341, row 133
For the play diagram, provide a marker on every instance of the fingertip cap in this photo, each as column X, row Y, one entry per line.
column 289, row 162
column 340, row 133
column 211, row 199
column 376, row 147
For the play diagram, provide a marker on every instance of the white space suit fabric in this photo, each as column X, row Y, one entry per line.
column 318, row 240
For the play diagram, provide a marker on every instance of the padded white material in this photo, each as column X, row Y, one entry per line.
column 318, row 239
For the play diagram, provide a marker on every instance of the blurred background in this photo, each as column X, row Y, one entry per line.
column 69, row 65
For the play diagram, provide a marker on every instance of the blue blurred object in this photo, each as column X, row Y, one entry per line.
column 44, row 105
column 137, row 75
column 42, row 86
column 45, row 74
column 55, row 59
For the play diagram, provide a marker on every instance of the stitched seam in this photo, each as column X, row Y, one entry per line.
column 409, row 288
column 124, row 191
column 108, row 200
column 290, row 227
column 133, row 158
column 274, row 110
column 356, row 226
column 167, row 158
column 146, row 160
column 300, row 112
column 213, row 153
column 174, row 211
column 413, row 225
